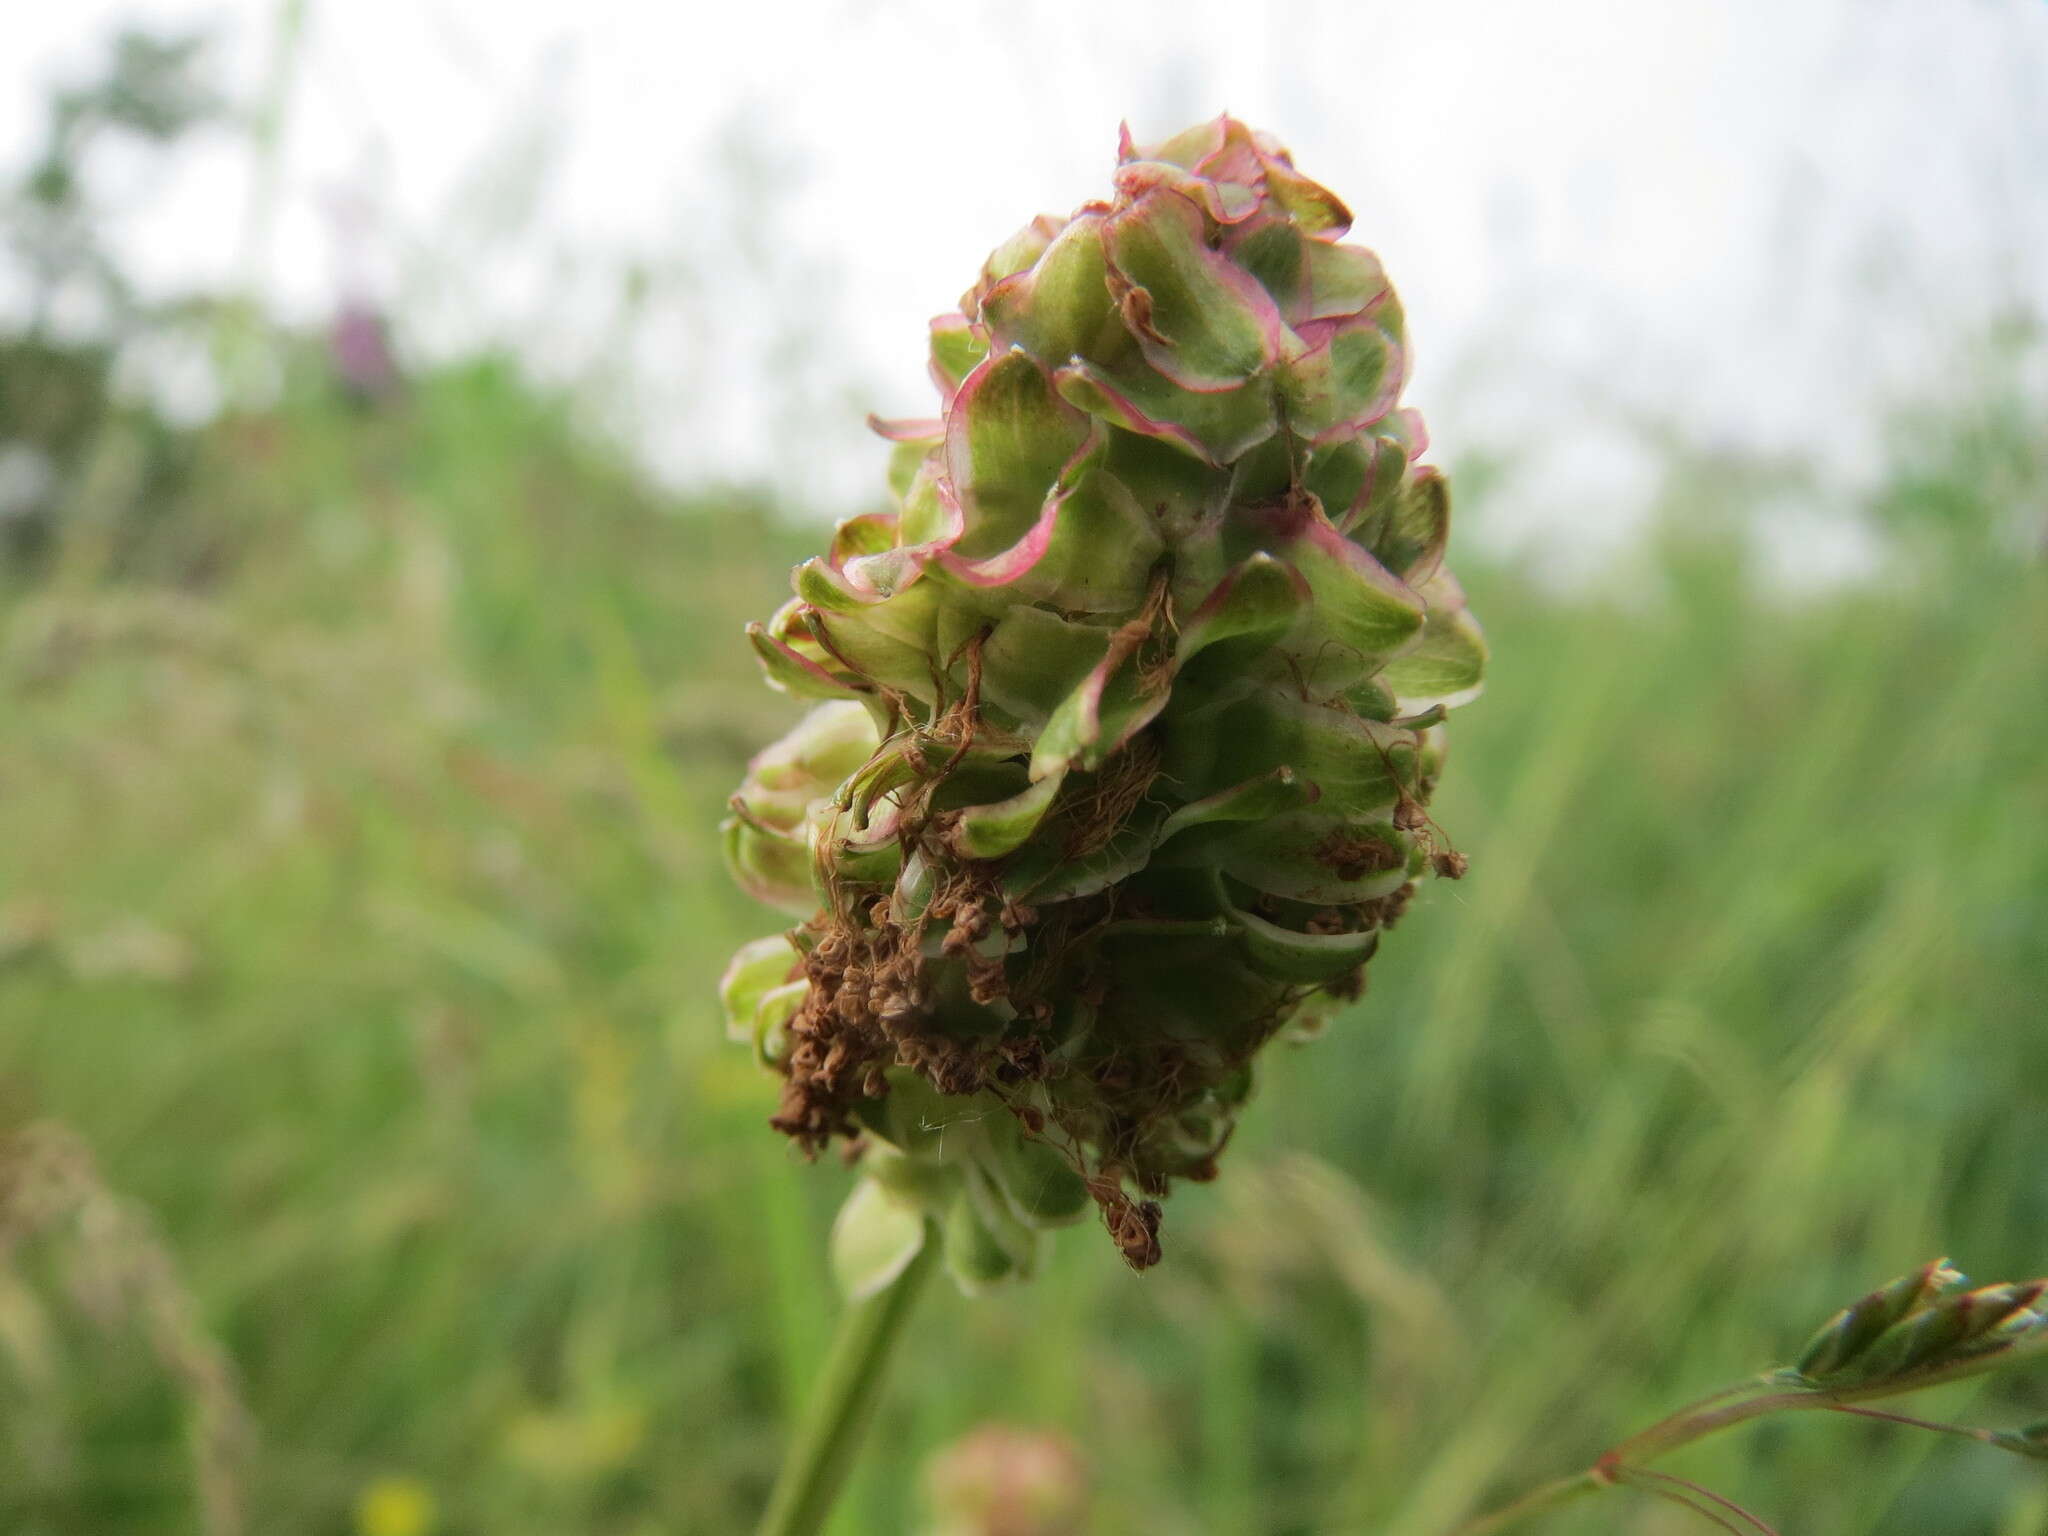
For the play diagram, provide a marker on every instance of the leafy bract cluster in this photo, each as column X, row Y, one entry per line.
column 1920, row 1330
column 1129, row 713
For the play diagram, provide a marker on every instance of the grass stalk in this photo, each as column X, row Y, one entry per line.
column 1537, row 1501
column 1627, row 1462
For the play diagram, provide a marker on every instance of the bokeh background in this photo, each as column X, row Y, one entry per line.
column 402, row 407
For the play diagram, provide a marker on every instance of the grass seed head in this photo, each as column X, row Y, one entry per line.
column 1921, row 1328
column 2030, row 1440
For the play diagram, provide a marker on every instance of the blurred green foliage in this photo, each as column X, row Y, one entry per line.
column 68, row 437
column 360, row 908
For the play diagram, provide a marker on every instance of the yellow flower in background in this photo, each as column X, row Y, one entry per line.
column 577, row 1444
column 396, row 1506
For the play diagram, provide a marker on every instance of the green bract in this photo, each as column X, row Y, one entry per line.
column 1131, row 713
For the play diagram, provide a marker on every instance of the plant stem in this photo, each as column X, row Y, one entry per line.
column 1704, row 1418
column 1548, row 1497
column 841, row 1404
column 1968, row 1432
column 1733, row 1405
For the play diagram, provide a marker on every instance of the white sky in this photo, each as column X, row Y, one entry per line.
column 1743, row 220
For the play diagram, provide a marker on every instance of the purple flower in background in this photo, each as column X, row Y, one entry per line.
column 359, row 347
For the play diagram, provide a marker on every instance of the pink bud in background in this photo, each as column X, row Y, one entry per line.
column 1006, row 1480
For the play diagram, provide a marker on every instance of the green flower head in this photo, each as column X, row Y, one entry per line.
column 1129, row 713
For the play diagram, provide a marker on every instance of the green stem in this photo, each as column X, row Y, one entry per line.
column 1564, row 1491
column 1775, row 1392
column 1701, row 1419
column 841, row 1404
column 1734, row 1405
column 1967, row 1432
